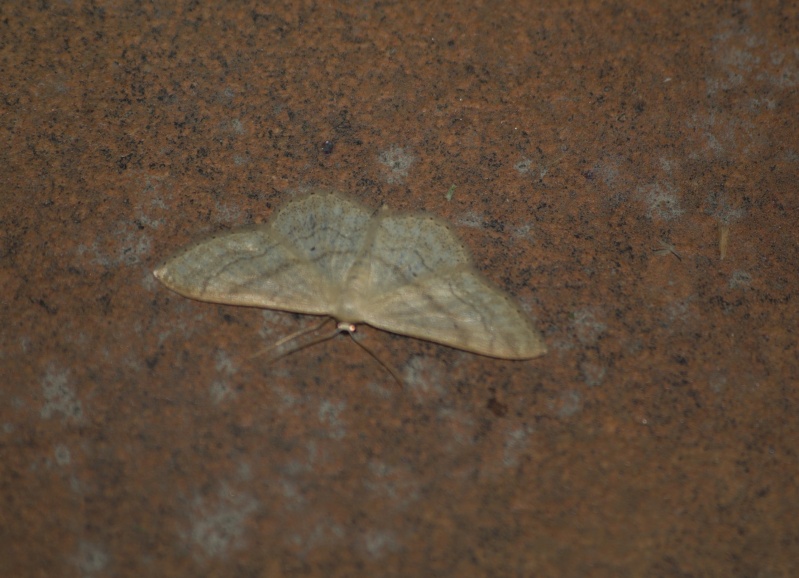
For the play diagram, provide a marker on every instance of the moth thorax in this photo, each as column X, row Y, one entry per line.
column 349, row 308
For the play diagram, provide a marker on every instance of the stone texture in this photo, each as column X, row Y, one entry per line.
column 596, row 151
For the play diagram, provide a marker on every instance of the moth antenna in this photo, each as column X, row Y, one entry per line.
column 294, row 337
column 350, row 328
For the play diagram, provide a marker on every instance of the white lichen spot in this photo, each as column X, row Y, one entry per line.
column 286, row 396
column 678, row 310
column 324, row 534
column 225, row 366
column 662, row 203
column 236, row 126
column 460, row 427
column 227, row 213
column 567, row 403
column 275, row 324
column 218, row 526
column 134, row 245
column 127, row 248
column 586, row 326
column 379, row 543
column 329, row 413
column 472, row 220
column 526, row 166
column 572, row 403
column 515, row 445
column 293, row 497
column 719, row 206
column 219, row 391
column 593, row 373
column 524, row 232
column 62, row 455
column 223, row 363
column 523, row 166
column 740, row 279
column 90, row 559
column 59, row 396
column 609, row 173
column 423, row 376
column 398, row 162
column 718, row 383
column 394, row 483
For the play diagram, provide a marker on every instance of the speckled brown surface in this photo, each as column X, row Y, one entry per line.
column 595, row 150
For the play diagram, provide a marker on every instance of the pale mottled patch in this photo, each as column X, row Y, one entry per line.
column 59, row 395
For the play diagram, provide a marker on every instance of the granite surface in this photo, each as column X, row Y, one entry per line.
column 626, row 170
